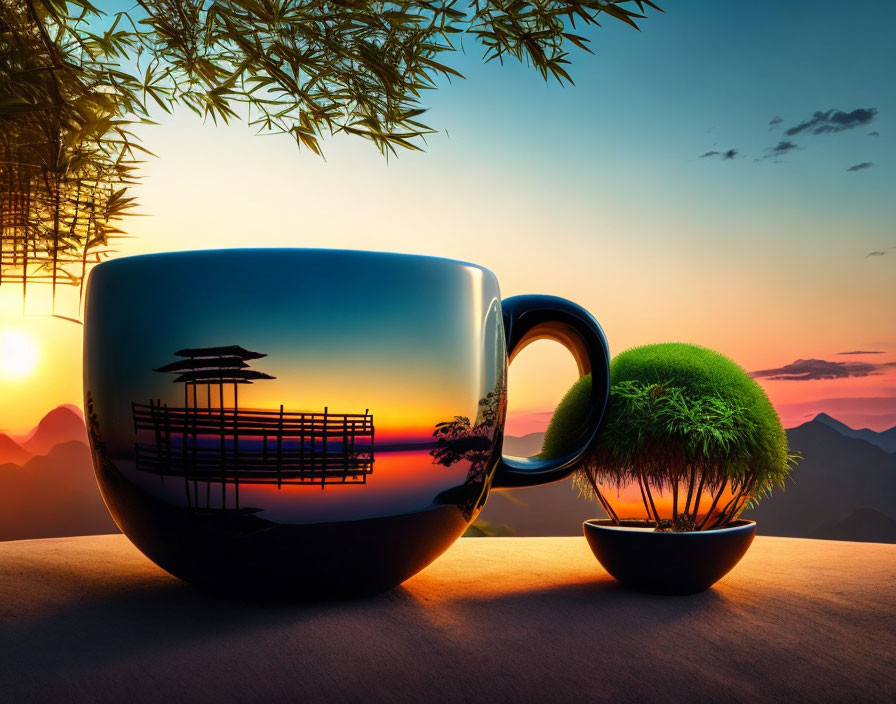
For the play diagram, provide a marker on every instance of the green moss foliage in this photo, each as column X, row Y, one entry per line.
column 566, row 420
column 678, row 411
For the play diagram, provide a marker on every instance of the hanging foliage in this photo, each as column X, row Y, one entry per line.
column 74, row 80
column 66, row 153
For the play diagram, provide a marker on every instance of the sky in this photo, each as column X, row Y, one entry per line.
column 723, row 177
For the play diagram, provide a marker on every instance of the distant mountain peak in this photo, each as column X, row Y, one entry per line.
column 12, row 452
column 74, row 409
column 831, row 421
column 864, row 524
column 885, row 440
column 62, row 424
column 523, row 446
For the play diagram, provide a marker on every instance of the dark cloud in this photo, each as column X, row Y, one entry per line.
column 859, row 167
column 874, row 134
column 813, row 369
column 775, row 122
column 724, row 156
column 876, row 253
column 863, row 352
column 781, row 148
column 833, row 121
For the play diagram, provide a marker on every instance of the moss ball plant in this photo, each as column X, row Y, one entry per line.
column 688, row 440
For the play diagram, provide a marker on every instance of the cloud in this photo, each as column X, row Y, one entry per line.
column 775, row 122
column 876, row 253
column 814, row 369
column 724, row 156
column 781, row 148
column 859, row 167
column 874, row 134
column 833, row 121
column 863, row 352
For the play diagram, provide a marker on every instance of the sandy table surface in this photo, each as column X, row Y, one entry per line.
column 494, row 619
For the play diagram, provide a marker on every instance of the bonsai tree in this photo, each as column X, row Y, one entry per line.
column 688, row 440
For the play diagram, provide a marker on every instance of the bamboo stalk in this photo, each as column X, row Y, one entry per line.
column 675, row 500
column 687, row 505
column 712, row 506
column 646, row 486
column 698, row 496
column 606, row 504
column 644, row 499
column 723, row 514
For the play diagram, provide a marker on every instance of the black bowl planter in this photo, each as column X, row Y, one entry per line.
column 667, row 562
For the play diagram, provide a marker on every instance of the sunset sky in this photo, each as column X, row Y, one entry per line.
column 724, row 177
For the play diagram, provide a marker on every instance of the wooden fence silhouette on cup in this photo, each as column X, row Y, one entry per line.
column 234, row 446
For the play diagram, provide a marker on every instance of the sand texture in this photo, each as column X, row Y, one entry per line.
column 493, row 620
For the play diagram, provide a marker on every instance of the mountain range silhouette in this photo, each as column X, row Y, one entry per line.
column 885, row 440
column 52, row 495
column 62, row 424
column 844, row 489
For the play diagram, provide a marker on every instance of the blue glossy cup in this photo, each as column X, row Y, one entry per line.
column 310, row 422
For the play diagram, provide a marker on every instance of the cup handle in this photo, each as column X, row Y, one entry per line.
column 531, row 318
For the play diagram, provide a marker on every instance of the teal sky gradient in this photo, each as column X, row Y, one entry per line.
column 703, row 75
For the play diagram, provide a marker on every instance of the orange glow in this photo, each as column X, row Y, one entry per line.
column 18, row 355
column 398, row 478
column 627, row 502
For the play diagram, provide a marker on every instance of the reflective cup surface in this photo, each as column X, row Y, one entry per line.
column 306, row 422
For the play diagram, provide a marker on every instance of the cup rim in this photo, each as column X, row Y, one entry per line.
column 288, row 250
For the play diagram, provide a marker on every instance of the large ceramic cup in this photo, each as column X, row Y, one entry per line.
column 310, row 422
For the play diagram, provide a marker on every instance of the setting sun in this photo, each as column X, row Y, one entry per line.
column 18, row 355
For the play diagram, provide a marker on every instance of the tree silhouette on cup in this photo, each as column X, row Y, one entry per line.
column 688, row 441
column 460, row 440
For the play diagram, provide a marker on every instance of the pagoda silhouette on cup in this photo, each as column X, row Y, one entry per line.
column 210, row 440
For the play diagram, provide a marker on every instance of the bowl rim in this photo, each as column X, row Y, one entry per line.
column 606, row 525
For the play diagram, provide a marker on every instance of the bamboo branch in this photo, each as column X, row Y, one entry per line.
column 712, row 506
